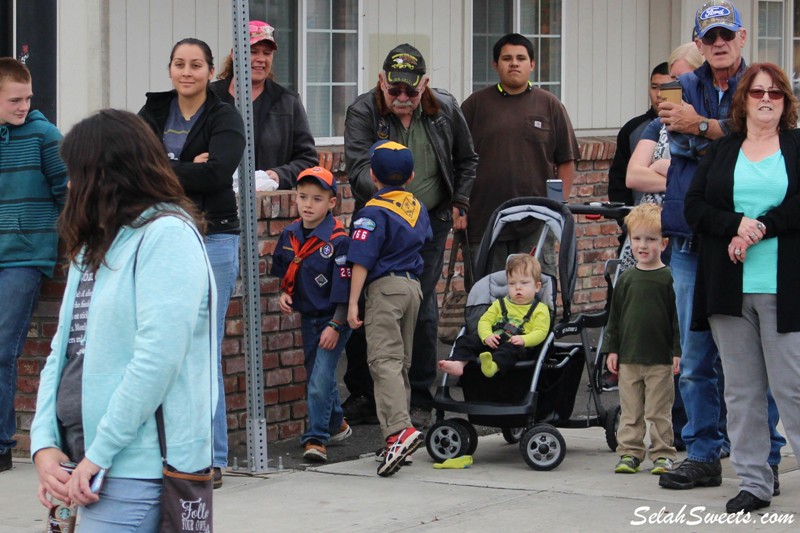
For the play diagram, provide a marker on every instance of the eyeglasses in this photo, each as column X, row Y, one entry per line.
column 758, row 94
column 711, row 37
column 397, row 91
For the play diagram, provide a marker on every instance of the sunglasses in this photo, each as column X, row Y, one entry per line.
column 397, row 91
column 711, row 37
column 758, row 94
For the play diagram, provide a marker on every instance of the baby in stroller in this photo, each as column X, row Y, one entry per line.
column 509, row 328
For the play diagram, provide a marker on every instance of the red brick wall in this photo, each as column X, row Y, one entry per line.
column 284, row 373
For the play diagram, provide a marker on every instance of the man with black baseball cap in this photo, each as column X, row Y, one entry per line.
column 403, row 108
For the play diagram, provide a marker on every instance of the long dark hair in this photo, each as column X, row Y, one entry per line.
column 117, row 169
column 779, row 80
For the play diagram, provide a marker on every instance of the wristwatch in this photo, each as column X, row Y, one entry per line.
column 703, row 127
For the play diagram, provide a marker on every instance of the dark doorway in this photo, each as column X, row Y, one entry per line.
column 35, row 45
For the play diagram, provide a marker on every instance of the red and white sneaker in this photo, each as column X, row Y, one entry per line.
column 399, row 446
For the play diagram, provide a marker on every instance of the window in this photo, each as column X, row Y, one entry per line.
column 318, row 57
column 281, row 15
column 770, row 31
column 538, row 20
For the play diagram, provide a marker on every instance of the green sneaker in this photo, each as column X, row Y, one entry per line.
column 662, row 465
column 627, row 464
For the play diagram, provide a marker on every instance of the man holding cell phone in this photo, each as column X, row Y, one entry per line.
column 693, row 124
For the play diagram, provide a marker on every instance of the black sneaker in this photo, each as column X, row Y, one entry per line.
column 690, row 474
column 359, row 410
column 745, row 502
column 609, row 382
column 776, row 484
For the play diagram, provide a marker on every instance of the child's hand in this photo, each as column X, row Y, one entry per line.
column 517, row 340
column 676, row 365
column 329, row 338
column 611, row 363
column 285, row 303
column 352, row 316
column 492, row 341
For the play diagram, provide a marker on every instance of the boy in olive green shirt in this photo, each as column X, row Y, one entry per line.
column 643, row 343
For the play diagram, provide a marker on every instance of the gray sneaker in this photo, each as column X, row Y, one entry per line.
column 420, row 418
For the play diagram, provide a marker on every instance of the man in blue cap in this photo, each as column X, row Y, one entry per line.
column 693, row 125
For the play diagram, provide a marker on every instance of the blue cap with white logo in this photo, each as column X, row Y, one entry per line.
column 717, row 14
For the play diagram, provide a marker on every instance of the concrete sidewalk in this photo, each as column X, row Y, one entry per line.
column 499, row 492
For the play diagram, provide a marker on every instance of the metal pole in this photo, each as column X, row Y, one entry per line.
column 256, row 418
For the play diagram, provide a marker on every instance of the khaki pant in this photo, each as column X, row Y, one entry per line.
column 646, row 394
column 392, row 305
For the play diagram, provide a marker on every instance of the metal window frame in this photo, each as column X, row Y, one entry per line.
column 302, row 60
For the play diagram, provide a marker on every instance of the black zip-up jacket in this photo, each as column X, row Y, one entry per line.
column 369, row 120
column 709, row 210
column 282, row 134
column 219, row 131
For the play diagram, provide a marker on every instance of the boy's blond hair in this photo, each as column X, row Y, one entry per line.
column 644, row 217
column 524, row 264
column 13, row 70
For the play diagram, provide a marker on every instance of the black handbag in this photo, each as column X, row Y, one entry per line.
column 186, row 497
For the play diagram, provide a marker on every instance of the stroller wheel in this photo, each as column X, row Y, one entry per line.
column 612, row 425
column 472, row 435
column 543, row 447
column 445, row 440
column 512, row 435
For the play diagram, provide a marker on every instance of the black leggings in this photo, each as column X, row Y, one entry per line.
column 468, row 347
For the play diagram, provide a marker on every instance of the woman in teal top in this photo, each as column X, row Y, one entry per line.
column 135, row 330
column 744, row 205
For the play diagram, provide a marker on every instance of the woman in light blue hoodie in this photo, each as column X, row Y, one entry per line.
column 134, row 330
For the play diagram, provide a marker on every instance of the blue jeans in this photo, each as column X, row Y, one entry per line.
column 700, row 383
column 223, row 254
column 125, row 506
column 423, row 357
column 324, row 406
column 19, row 288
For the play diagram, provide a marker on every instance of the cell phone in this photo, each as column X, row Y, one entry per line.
column 96, row 483
column 671, row 92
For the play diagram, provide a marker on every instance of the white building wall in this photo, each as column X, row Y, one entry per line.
column 111, row 52
column 436, row 27
column 80, row 67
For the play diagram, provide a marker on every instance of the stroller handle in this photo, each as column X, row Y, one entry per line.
column 610, row 210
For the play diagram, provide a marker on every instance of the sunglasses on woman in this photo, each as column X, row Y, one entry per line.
column 397, row 91
column 711, row 37
column 758, row 94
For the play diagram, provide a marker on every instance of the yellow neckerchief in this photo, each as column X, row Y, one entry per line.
column 400, row 202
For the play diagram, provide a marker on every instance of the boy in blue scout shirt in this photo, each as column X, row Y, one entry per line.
column 384, row 251
column 311, row 259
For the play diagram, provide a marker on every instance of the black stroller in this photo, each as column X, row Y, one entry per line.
column 529, row 403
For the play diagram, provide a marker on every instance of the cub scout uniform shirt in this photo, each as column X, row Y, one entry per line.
column 323, row 279
column 389, row 233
